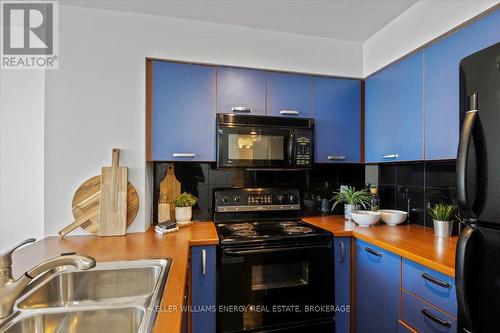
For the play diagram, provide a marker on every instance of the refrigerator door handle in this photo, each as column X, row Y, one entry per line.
column 463, row 155
column 460, row 271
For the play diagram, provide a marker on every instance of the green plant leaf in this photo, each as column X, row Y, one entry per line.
column 184, row 200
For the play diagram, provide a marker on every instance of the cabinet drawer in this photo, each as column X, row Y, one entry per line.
column 426, row 318
column 433, row 287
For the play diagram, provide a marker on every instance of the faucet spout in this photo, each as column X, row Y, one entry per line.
column 11, row 290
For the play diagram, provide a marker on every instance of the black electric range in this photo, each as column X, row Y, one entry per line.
column 272, row 265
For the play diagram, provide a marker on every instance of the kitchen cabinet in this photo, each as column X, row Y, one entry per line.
column 394, row 112
column 289, row 95
column 241, row 90
column 337, row 120
column 377, row 285
column 183, row 101
column 342, row 257
column 442, row 90
column 203, row 288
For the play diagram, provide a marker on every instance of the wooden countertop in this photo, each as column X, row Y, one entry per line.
column 410, row 241
column 132, row 247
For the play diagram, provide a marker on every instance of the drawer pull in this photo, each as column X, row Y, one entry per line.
column 390, row 156
column 342, row 252
column 435, row 319
column 336, row 158
column 184, row 155
column 241, row 109
column 289, row 112
column 204, row 262
column 437, row 281
column 372, row 251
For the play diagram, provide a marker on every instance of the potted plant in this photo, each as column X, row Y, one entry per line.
column 351, row 199
column 184, row 208
column 442, row 216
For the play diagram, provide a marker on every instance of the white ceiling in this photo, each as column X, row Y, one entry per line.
column 354, row 20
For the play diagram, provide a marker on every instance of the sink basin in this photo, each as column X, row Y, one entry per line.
column 115, row 320
column 69, row 288
column 112, row 297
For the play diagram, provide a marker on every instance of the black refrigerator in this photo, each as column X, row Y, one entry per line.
column 478, row 193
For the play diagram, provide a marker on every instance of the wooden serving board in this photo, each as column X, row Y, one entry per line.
column 93, row 186
column 170, row 188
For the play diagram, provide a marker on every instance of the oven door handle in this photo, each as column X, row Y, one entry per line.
column 274, row 250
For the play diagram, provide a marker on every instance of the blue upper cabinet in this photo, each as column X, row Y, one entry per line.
column 203, row 286
column 342, row 256
column 377, row 285
column 183, row 112
column 289, row 95
column 337, row 119
column 241, row 90
column 394, row 112
column 442, row 61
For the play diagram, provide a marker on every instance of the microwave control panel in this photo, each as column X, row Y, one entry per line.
column 303, row 149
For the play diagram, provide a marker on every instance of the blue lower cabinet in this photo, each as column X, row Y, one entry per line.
column 203, row 289
column 342, row 257
column 377, row 288
column 424, row 317
column 436, row 288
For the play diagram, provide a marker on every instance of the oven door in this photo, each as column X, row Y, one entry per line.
column 254, row 147
column 275, row 286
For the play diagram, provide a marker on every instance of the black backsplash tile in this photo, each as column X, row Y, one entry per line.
column 387, row 174
column 410, row 174
column 417, row 186
column 201, row 179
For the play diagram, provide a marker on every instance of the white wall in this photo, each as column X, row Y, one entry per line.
column 421, row 23
column 22, row 104
column 96, row 100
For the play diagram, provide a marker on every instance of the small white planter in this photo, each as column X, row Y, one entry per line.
column 348, row 209
column 443, row 228
column 183, row 215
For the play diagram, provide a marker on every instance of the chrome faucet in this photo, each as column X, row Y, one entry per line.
column 11, row 290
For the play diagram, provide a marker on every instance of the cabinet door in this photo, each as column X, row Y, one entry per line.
column 337, row 119
column 342, row 256
column 394, row 112
column 442, row 79
column 289, row 95
column 377, row 289
column 183, row 112
column 241, row 90
column 203, row 289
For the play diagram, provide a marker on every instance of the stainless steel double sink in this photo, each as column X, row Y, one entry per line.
column 113, row 297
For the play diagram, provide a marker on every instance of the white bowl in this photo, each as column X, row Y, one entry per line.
column 393, row 217
column 365, row 218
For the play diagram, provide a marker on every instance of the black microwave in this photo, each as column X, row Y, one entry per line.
column 261, row 142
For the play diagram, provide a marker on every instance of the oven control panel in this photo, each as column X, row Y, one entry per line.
column 256, row 199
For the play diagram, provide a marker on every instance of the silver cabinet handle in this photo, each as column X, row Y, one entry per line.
column 342, row 252
column 204, row 262
column 336, row 157
column 386, row 157
column 289, row 112
column 184, row 155
column 241, row 109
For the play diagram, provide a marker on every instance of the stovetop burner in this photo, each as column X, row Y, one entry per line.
column 297, row 230
column 240, row 227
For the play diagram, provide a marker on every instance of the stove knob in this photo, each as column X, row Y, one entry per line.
column 236, row 198
column 280, row 198
column 292, row 198
column 224, row 199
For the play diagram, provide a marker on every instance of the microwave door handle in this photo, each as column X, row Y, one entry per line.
column 291, row 144
column 274, row 250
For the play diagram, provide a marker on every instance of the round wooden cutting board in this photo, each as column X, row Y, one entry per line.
column 89, row 189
